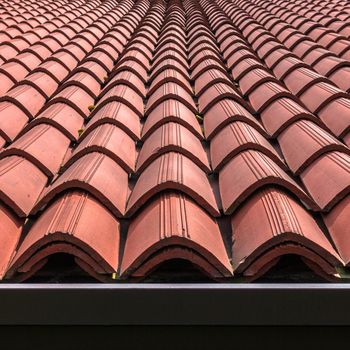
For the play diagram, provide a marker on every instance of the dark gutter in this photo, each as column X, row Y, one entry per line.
column 175, row 304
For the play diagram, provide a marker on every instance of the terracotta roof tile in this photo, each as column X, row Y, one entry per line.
column 70, row 221
column 171, row 110
column 298, row 234
column 327, row 178
column 157, row 124
column 256, row 170
column 235, row 138
column 172, row 137
column 173, row 171
column 313, row 141
column 43, row 145
column 173, row 226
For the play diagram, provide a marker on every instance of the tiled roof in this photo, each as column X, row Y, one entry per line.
column 137, row 135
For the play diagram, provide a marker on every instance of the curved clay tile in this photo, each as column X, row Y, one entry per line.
column 43, row 145
column 168, row 64
column 55, row 69
column 168, row 227
column 93, row 68
column 287, row 65
column 282, row 113
column 179, row 48
column 136, row 55
column 66, row 58
column 12, row 120
column 266, row 53
column 244, row 66
column 273, row 53
column 85, row 81
column 262, row 40
column 122, row 93
column 337, row 222
column 169, row 75
column 170, row 55
column 341, row 78
column 336, row 115
column 317, row 264
column 282, row 223
column 141, row 38
column 330, row 64
column 175, row 33
column 303, row 142
column 176, row 253
column 177, row 172
column 35, row 268
column 225, row 112
column 61, row 116
column 172, row 37
column 110, row 50
column 21, row 183
column 207, row 53
column 171, row 110
column 97, row 174
column 206, row 65
column 116, row 113
column 132, row 66
column 255, row 78
column 229, row 42
column 198, row 31
column 172, row 34
column 225, row 32
column 170, row 90
column 127, row 77
column 203, row 50
column 320, row 95
column 10, row 74
column 209, row 78
column 9, row 50
column 110, row 140
column 42, row 82
column 44, row 253
column 72, row 220
column 302, row 79
column 26, row 98
column 238, row 54
column 75, row 97
column 172, row 137
column 218, row 92
column 266, row 93
column 328, row 179
column 235, row 138
column 312, row 57
column 28, row 59
column 100, row 57
column 198, row 34
column 255, row 170
column 10, row 228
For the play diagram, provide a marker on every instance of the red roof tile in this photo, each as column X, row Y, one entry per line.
column 70, row 225
column 173, row 226
column 134, row 132
column 282, row 222
column 172, row 137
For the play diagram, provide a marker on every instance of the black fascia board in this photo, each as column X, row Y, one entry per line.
column 175, row 304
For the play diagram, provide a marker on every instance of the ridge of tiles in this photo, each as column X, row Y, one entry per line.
column 137, row 134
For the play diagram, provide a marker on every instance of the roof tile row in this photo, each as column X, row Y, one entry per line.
column 133, row 134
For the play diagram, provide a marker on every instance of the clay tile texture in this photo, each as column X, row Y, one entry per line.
column 174, row 141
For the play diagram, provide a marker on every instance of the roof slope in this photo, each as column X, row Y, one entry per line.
column 134, row 134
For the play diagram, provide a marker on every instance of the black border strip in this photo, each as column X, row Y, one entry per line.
column 175, row 304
